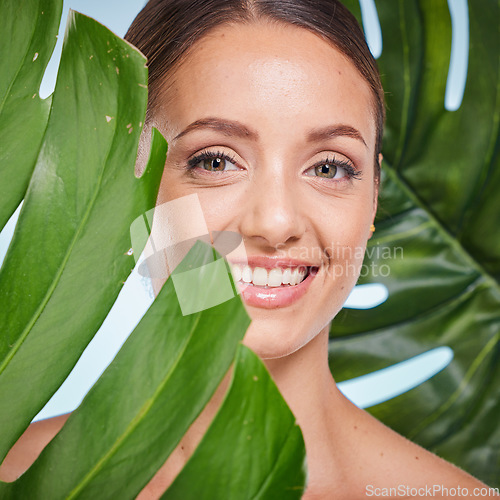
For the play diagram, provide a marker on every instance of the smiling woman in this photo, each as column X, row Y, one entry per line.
column 273, row 112
column 282, row 172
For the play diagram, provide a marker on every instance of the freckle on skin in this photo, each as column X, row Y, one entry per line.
column 416, row 458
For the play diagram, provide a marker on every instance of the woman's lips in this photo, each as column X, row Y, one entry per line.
column 268, row 294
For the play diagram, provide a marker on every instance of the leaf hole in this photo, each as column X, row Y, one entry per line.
column 8, row 231
column 367, row 296
column 387, row 383
column 459, row 58
column 371, row 27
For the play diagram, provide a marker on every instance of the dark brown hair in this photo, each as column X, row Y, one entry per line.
column 166, row 29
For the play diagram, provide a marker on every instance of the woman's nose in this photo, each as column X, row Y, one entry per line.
column 271, row 213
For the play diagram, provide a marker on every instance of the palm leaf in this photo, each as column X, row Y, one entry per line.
column 29, row 31
column 135, row 415
column 68, row 257
column 273, row 468
column 437, row 233
column 66, row 264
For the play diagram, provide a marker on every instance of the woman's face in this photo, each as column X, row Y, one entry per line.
column 273, row 129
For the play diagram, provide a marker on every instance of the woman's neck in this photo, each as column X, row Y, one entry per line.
column 304, row 379
column 306, row 383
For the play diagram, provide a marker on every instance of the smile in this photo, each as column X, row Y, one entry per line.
column 274, row 287
column 276, row 277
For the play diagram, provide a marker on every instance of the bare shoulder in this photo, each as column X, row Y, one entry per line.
column 29, row 446
column 389, row 460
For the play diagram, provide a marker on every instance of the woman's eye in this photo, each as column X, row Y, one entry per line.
column 216, row 164
column 326, row 170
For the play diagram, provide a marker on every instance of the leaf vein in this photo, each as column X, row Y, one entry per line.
column 141, row 414
column 53, row 285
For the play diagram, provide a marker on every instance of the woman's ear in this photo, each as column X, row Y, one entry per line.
column 377, row 184
column 375, row 193
column 380, row 158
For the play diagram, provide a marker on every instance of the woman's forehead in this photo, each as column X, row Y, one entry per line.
column 268, row 75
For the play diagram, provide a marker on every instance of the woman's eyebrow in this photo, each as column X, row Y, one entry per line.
column 328, row 132
column 227, row 127
column 235, row 128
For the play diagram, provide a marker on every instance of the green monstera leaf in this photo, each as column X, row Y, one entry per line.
column 29, row 30
column 438, row 219
column 67, row 262
column 68, row 258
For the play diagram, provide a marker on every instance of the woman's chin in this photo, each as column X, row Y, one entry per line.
column 271, row 343
column 277, row 333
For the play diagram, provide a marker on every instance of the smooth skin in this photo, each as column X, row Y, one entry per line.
column 278, row 101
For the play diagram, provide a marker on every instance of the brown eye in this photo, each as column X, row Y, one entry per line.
column 325, row 170
column 214, row 164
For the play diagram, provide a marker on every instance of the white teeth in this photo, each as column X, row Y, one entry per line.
column 272, row 278
column 259, row 276
column 295, row 276
column 236, row 270
column 246, row 274
column 287, row 276
column 302, row 275
column 275, row 277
